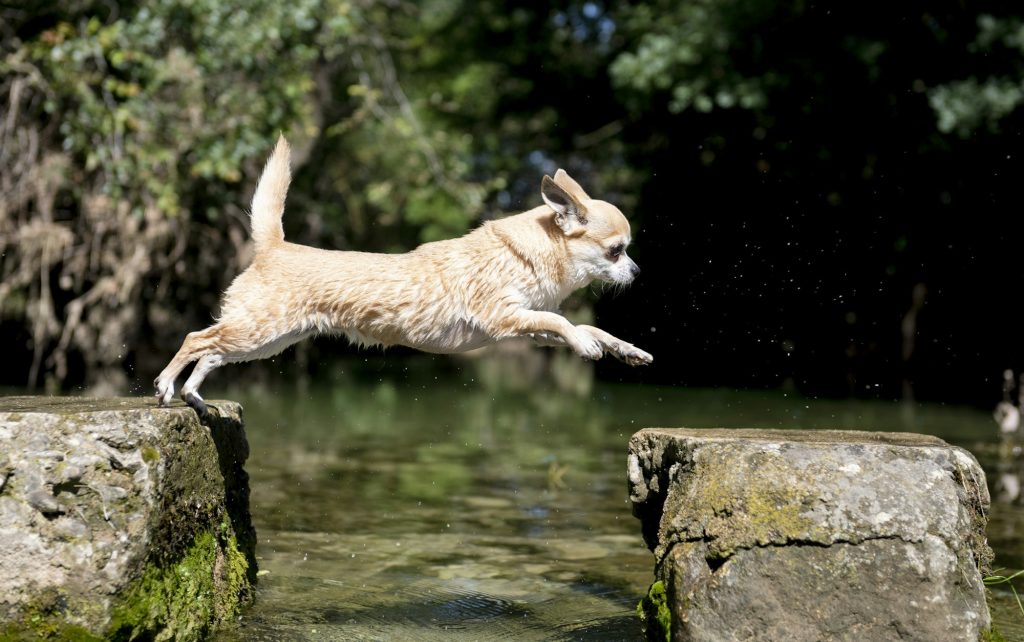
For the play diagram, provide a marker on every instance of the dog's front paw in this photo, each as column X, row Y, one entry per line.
column 587, row 346
column 164, row 392
column 634, row 356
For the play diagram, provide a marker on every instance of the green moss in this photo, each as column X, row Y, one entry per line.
column 991, row 635
column 45, row 623
column 655, row 617
column 47, row 630
column 183, row 600
column 150, row 454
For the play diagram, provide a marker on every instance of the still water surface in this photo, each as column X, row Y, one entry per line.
column 447, row 512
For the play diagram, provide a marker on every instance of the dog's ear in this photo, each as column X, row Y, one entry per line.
column 566, row 182
column 569, row 213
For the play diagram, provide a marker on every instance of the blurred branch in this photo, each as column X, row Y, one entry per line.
column 387, row 78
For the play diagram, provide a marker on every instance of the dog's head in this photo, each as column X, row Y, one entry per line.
column 597, row 233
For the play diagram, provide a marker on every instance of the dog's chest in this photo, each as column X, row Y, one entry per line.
column 546, row 296
column 457, row 336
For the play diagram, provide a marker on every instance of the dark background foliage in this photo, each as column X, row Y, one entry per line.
column 824, row 197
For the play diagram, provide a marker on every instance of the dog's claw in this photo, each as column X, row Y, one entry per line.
column 636, row 357
column 163, row 394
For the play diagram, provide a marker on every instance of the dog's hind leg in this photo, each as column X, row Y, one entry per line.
column 190, row 391
column 191, row 349
column 212, row 340
column 215, row 346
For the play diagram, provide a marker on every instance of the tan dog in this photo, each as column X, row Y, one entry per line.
column 505, row 279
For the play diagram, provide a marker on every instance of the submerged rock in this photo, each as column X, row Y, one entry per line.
column 805, row 535
column 121, row 520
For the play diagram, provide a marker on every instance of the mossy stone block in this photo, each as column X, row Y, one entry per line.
column 122, row 520
column 812, row 535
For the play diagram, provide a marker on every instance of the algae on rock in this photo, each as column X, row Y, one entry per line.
column 122, row 520
column 655, row 618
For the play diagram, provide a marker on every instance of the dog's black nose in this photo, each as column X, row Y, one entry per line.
column 635, row 269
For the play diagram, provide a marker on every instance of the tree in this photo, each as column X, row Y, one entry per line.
column 131, row 137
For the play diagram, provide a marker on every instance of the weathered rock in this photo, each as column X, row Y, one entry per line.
column 121, row 520
column 797, row 535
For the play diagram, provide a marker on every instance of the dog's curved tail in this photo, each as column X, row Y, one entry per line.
column 268, row 200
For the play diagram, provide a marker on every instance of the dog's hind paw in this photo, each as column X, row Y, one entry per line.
column 196, row 403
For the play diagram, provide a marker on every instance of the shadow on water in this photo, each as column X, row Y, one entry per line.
column 442, row 511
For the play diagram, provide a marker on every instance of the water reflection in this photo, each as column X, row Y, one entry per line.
column 451, row 511
column 1009, row 476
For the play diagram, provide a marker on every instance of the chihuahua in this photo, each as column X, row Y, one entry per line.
column 504, row 279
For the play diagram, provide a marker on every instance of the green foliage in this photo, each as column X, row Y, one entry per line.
column 439, row 213
column 965, row 106
column 993, row 580
column 710, row 55
column 139, row 132
column 133, row 137
column 130, row 132
column 694, row 52
column 177, row 91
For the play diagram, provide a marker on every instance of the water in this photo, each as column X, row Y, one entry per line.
column 443, row 511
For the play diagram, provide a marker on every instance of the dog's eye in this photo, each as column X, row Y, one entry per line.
column 616, row 250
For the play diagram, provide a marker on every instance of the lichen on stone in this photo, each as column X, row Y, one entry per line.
column 150, row 454
column 744, row 515
column 976, row 501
